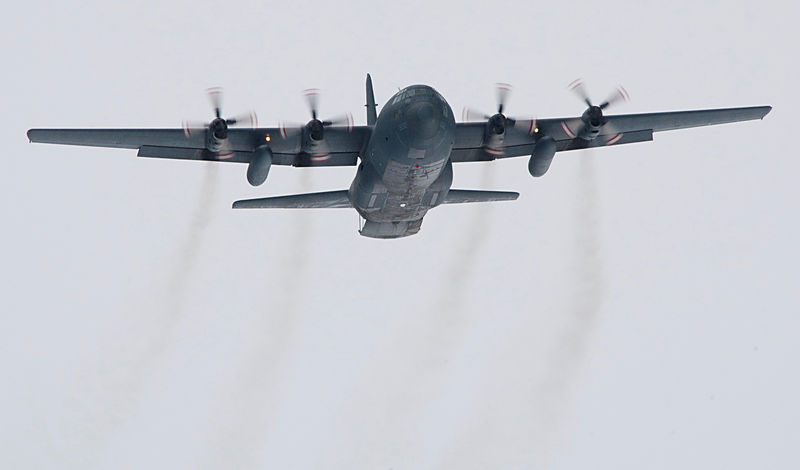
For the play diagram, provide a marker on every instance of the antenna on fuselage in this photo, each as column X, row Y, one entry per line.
column 372, row 114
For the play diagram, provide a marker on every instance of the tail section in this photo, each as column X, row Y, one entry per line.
column 323, row 200
column 372, row 113
column 389, row 230
column 461, row 196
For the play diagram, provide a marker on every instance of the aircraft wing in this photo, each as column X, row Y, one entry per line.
column 344, row 146
column 623, row 129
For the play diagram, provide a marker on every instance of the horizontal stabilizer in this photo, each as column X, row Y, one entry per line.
column 460, row 196
column 324, row 200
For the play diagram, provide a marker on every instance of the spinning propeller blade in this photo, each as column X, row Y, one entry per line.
column 502, row 90
column 469, row 114
column 593, row 116
column 312, row 98
column 245, row 119
column 218, row 126
column 577, row 87
column 215, row 96
column 620, row 94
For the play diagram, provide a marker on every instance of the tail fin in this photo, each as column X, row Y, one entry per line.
column 372, row 113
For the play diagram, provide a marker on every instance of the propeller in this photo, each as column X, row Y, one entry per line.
column 498, row 120
column 317, row 148
column 593, row 116
column 498, row 123
column 316, row 125
column 218, row 127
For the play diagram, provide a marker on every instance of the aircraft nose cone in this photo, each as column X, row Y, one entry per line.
column 425, row 111
column 423, row 119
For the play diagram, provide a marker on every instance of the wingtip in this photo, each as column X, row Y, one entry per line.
column 769, row 108
column 246, row 204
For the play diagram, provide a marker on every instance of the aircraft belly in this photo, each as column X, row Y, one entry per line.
column 406, row 185
column 401, row 176
column 400, row 207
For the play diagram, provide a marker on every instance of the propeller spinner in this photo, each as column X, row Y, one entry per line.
column 217, row 136
column 499, row 123
column 592, row 121
column 314, row 142
column 316, row 126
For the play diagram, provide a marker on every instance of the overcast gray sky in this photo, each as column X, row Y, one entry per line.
column 635, row 308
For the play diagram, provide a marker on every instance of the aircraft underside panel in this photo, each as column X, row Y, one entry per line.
column 415, row 176
column 388, row 230
column 405, row 192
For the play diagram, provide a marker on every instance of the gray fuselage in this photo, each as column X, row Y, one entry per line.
column 406, row 168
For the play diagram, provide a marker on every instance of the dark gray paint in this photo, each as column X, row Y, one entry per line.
column 406, row 153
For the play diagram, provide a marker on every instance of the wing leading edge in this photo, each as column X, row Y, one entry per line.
column 631, row 127
column 673, row 120
column 345, row 146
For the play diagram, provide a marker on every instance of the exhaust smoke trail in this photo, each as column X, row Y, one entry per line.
column 583, row 296
column 445, row 326
column 181, row 274
column 461, row 269
column 242, row 426
column 585, row 292
column 109, row 392
column 431, row 345
column 447, row 323
column 428, row 340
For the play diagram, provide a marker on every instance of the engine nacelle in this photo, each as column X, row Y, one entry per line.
column 495, row 135
column 543, row 153
column 314, row 141
column 217, row 139
column 593, row 120
column 258, row 169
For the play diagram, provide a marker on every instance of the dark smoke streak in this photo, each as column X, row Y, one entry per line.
column 109, row 394
column 583, row 295
column 438, row 339
column 461, row 269
column 242, row 428
column 429, row 341
column 445, row 327
column 181, row 274
column 585, row 292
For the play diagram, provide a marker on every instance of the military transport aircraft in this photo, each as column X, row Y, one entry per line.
column 404, row 155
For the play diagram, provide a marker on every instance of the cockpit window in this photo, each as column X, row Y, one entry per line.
column 399, row 96
column 411, row 91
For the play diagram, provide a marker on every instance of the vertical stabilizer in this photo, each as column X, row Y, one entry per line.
column 372, row 114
